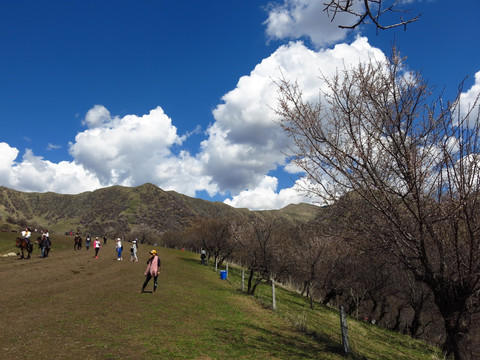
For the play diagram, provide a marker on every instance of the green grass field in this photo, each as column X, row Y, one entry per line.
column 73, row 306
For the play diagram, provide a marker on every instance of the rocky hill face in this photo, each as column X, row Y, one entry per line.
column 124, row 208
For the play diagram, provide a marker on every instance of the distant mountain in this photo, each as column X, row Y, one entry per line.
column 124, row 208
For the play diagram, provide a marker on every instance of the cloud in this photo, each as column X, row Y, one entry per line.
column 133, row 150
column 124, row 150
column 469, row 101
column 295, row 19
column 33, row 173
column 7, row 158
column 184, row 174
column 53, row 147
column 97, row 116
column 242, row 146
column 265, row 197
column 245, row 142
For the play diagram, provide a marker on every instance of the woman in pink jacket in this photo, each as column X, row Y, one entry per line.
column 153, row 268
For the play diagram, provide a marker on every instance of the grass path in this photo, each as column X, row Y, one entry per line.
column 73, row 306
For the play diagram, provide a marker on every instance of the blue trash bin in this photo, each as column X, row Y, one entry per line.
column 223, row 274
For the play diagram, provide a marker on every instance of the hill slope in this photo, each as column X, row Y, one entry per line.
column 73, row 306
column 123, row 208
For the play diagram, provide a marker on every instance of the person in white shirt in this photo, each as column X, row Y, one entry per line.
column 133, row 251
column 26, row 235
column 97, row 245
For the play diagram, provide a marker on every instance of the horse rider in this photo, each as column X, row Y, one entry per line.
column 26, row 235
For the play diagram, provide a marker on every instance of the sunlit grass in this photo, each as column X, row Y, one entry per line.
column 90, row 308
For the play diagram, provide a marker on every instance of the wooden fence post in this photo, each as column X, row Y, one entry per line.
column 344, row 328
column 243, row 280
column 274, row 301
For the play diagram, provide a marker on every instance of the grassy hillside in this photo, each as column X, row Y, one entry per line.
column 73, row 306
column 121, row 209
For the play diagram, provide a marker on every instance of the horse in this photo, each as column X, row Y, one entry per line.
column 39, row 241
column 24, row 245
column 78, row 243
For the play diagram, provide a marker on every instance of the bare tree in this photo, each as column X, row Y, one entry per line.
column 172, row 238
column 214, row 236
column 417, row 297
column 144, row 234
column 369, row 10
column 413, row 162
column 262, row 247
column 314, row 259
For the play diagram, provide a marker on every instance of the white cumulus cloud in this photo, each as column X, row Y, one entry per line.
column 242, row 147
column 245, row 143
column 295, row 19
column 124, row 150
column 97, row 116
column 469, row 101
column 33, row 173
column 265, row 196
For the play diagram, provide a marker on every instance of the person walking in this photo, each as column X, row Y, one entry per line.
column 119, row 248
column 88, row 240
column 46, row 244
column 97, row 244
column 77, row 244
column 133, row 251
column 153, row 268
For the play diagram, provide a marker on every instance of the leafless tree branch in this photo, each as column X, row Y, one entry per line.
column 367, row 10
column 412, row 165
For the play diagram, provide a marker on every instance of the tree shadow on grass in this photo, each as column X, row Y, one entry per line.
column 192, row 261
column 284, row 347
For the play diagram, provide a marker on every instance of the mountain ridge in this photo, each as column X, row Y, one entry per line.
column 126, row 208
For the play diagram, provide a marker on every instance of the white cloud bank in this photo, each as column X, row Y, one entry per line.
column 242, row 153
column 33, row 173
column 242, row 146
column 241, row 150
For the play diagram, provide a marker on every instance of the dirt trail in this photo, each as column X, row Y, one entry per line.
column 59, row 301
column 73, row 306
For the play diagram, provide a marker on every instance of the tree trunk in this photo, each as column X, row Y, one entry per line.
column 454, row 334
column 254, row 287
column 250, row 278
column 312, row 306
column 306, row 285
column 396, row 326
column 415, row 324
column 374, row 309
column 452, row 306
column 331, row 295
column 383, row 310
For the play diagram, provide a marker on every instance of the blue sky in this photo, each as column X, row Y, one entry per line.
column 180, row 93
